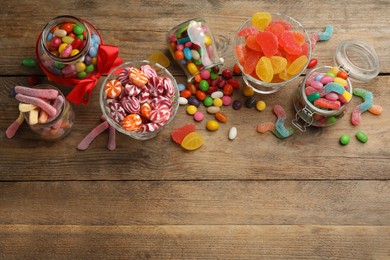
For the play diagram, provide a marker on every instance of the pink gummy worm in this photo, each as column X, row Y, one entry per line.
column 51, row 111
column 57, row 104
column 11, row 130
column 356, row 116
column 279, row 111
column 84, row 144
column 36, row 92
column 111, row 138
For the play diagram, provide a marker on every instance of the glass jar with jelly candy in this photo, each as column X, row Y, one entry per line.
column 193, row 47
column 67, row 49
column 56, row 126
column 322, row 97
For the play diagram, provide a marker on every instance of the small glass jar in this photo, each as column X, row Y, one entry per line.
column 193, row 47
column 357, row 59
column 67, row 49
column 283, row 78
column 55, row 127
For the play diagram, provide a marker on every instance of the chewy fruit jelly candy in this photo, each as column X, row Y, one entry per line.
column 368, row 100
column 273, row 51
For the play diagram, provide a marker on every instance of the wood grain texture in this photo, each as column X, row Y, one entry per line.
column 201, row 242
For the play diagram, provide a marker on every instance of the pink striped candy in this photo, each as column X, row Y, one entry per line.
column 149, row 71
column 160, row 116
column 168, row 87
column 131, row 104
column 117, row 112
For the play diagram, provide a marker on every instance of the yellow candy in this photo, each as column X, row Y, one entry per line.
column 297, row 65
column 340, row 81
column 260, row 105
column 192, row 141
column 261, row 20
column 248, row 91
column 347, row 95
column 212, row 125
column 94, row 61
column 74, row 52
column 334, row 70
column 279, row 63
column 80, row 66
column 191, row 109
column 217, row 102
column 192, row 69
column 264, row 69
column 207, row 40
column 62, row 47
column 160, row 58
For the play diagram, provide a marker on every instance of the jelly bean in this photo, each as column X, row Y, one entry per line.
column 344, row 139
column 264, row 127
column 212, row 125
column 93, row 51
column 250, row 102
column 228, row 90
column 179, row 55
column 317, row 85
column 227, row 74
column 232, row 133
column 201, row 95
column 314, row 96
column 183, row 101
column 77, row 29
column 217, row 94
column 67, row 39
column 208, row 101
column 203, row 85
column 205, row 74
column 28, row 62
column 68, row 27
column 192, row 69
column 236, row 69
column 260, row 105
column 181, row 87
column 74, row 52
column 312, row 63
column 248, row 91
column 217, row 102
column 234, row 83
column 60, row 33
column 261, row 20
column 193, row 101
column 333, row 87
column 198, row 116
column 66, row 51
column 331, row 96
column 192, row 141
column 55, row 42
column 213, row 109
column 221, row 117
column 362, row 137
column 342, row 74
column 226, row 100
column 195, row 55
column 191, row 109
column 89, row 68
column 237, row 104
column 80, row 66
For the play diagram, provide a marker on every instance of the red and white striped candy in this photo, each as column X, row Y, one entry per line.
column 132, row 89
column 117, row 112
column 110, row 101
column 113, row 88
column 123, row 76
column 168, row 87
column 149, row 127
column 144, row 96
column 155, row 85
column 160, row 116
column 161, row 102
column 131, row 104
column 146, row 110
column 149, row 71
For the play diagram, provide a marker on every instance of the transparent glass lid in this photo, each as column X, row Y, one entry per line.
column 359, row 59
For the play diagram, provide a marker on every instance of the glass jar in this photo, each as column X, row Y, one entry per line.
column 283, row 78
column 67, row 49
column 193, row 47
column 358, row 60
column 58, row 126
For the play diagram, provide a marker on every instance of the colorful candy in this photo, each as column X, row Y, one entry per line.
column 362, row 137
column 180, row 133
column 344, row 139
column 368, row 100
column 266, row 126
column 192, row 141
column 280, row 130
column 232, row 133
column 212, row 125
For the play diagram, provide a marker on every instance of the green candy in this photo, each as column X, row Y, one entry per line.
column 89, row 68
column 362, row 137
column 313, row 96
column 59, row 65
column 81, row 37
column 29, row 62
column 203, row 85
column 344, row 139
column 81, row 75
column 77, row 29
column 208, row 101
column 213, row 75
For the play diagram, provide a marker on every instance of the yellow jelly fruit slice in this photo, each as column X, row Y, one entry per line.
column 297, row 65
column 160, row 58
column 192, row 141
column 279, row 63
column 264, row 69
column 261, row 20
column 284, row 75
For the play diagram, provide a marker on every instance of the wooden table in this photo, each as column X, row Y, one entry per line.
column 255, row 197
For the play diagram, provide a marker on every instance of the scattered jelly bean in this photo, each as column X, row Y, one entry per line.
column 260, row 105
column 250, row 102
column 237, row 104
column 221, row 117
column 212, row 125
column 200, row 95
column 226, row 100
column 208, row 101
column 217, row 94
column 312, row 63
column 362, row 137
column 192, row 100
column 248, row 91
column 217, row 102
column 185, row 93
column 29, row 62
column 198, row 116
column 203, row 85
column 232, row 133
column 344, row 139
column 227, row 74
column 191, row 109
column 213, row 109
column 181, row 87
column 183, row 101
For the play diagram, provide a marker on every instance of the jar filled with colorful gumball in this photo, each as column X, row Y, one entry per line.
column 193, row 47
column 46, row 110
column 322, row 97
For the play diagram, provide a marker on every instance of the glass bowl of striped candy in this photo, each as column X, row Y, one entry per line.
column 272, row 50
column 139, row 99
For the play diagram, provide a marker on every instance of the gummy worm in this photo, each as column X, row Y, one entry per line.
column 51, row 111
column 376, row 110
column 280, row 130
column 84, row 144
column 11, row 130
column 111, row 138
column 39, row 93
column 368, row 100
column 321, row 36
column 266, row 126
column 339, row 89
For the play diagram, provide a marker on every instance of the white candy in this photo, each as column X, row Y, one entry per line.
column 233, row 133
column 213, row 109
column 217, row 94
column 183, row 101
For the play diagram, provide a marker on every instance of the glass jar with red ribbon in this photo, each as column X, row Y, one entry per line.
column 71, row 52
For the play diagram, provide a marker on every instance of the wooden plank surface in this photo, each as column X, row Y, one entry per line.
column 257, row 197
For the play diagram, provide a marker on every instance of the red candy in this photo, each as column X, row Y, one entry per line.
column 268, row 43
column 179, row 133
column 312, row 63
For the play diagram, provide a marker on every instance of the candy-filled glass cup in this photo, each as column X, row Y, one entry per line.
column 193, row 47
column 139, row 99
column 272, row 50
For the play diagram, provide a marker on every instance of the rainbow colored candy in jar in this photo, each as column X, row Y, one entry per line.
column 192, row 45
column 68, row 48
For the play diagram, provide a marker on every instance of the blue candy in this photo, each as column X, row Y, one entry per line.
column 181, row 87
column 187, row 53
column 327, row 34
column 334, row 87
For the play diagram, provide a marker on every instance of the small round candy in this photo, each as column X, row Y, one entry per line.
column 344, row 139
column 205, row 74
column 232, row 133
column 226, row 100
column 212, row 125
column 362, row 137
column 227, row 74
column 198, row 116
column 221, row 117
column 217, row 102
column 208, row 101
column 203, row 85
column 248, row 91
column 236, row 104
column 191, row 109
column 312, row 63
column 192, row 100
column 260, row 105
column 250, row 102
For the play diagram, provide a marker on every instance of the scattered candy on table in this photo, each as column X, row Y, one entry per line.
column 362, row 137
column 232, row 133
column 87, row 140
column 344, row 139
column 367, row 105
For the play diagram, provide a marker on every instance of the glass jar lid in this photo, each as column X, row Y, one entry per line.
column 359, row 59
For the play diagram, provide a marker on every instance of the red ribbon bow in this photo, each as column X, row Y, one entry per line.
column 107, row 59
